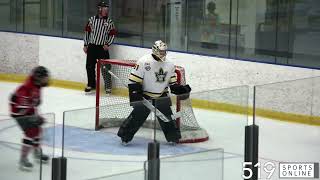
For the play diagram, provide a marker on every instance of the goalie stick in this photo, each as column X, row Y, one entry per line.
column 148, row 104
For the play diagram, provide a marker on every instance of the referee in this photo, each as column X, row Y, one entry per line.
column 99, row 35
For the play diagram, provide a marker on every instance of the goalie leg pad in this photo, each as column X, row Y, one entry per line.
column 133, row 122
column 170, row 129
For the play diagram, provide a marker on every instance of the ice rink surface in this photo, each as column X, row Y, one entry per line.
column 94, row 154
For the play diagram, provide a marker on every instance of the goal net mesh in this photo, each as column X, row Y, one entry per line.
column 113, row 108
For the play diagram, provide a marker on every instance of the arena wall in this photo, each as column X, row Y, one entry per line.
column 66, row 61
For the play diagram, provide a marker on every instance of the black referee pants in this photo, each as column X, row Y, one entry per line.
column 95, row 52
column 139, row 115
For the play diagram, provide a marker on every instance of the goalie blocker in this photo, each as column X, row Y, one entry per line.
column 135, row 93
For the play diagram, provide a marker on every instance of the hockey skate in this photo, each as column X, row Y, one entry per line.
column 108, row 91
column 25, row 164
column 124, row 143
column 89, row 90
column 171, row 143
column 39, row 156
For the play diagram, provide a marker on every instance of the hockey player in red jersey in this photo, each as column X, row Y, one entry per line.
column 23, row 103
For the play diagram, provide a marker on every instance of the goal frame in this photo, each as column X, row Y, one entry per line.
column 130, row 63
column 127, row 64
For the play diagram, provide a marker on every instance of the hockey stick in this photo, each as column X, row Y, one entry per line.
column 147, row 103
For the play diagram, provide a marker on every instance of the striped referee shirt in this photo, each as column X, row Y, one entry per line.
column 99, row 31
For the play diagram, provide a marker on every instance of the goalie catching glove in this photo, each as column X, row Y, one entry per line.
column 135, row 93
column 183, row 91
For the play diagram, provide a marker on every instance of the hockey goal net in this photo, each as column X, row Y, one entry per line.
column 112, row 109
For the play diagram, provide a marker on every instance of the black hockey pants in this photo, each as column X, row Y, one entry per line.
column 97, row 52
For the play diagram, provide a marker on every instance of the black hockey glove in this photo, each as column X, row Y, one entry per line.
column 33, row 121
column 41, row 120
column 135, row 93
column 183, row 91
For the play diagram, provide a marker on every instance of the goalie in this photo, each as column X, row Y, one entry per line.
column 150, row 79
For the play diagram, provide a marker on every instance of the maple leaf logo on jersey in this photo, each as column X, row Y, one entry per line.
column 161, row 75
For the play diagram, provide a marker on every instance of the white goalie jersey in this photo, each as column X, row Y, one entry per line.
column 155, row 76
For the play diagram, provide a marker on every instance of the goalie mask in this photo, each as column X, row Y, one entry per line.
column 40, row 76
column 159, row 49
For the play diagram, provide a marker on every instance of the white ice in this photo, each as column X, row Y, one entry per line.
column 278, row 142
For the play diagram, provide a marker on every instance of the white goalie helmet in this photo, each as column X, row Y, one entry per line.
column 159, row 49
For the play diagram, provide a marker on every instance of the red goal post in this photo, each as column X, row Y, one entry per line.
column 105, row 117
